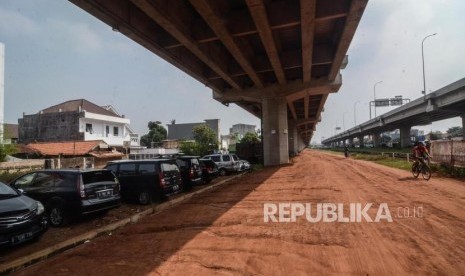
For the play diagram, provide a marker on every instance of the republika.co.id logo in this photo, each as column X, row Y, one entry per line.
column 335, row 212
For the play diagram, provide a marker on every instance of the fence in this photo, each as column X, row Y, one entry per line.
column 36, row 164
column 26, row 165
column 448, row 152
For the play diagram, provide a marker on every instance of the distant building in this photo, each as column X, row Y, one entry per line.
column 241, row 130
column 228, row 142
column 77, row 120
column 236, row 133
column 10, row 133
column 184, row 131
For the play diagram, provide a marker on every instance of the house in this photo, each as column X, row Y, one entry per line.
column 78, row 120
column 184, row 131
column 10, row 133
column 98, row 151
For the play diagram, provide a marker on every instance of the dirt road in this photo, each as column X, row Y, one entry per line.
column 223, row 232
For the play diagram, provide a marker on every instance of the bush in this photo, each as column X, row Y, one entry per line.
column 450, row 171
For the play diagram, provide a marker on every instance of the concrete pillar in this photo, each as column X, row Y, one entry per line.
column 376, row 139
column 275, row 132
column 360, row 141
column 405, row 137
column 463, row 127
column 293, row 139
column 301, row 144
column 351, row 141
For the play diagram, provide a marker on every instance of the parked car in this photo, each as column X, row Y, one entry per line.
column 147, row 180
column 67, row 193
column 209, row 170
column 227, row 163
column 21, row 218
column 245, row 165
column 191, row 171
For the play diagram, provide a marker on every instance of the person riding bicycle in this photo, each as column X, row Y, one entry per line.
column 346, row 151
column 419, row 153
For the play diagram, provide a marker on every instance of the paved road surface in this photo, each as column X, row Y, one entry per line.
column 223, row 232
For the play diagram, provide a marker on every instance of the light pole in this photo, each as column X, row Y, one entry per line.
column 343, row 121
column 423, row 61
column 374, row 95
column 355, row 116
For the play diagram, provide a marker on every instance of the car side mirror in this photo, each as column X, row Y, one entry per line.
column 21, row 191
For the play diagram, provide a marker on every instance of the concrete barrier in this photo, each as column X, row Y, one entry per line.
column 448, row 152
column 73, row 242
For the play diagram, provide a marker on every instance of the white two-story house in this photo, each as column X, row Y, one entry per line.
column 78, row 120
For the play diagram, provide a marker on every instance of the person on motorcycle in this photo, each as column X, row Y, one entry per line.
column 419, row 152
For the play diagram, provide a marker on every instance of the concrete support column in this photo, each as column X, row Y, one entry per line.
column 463, row 127
column 351, row 141
column 360, row 141
column 301, row 144
column 293, row 139
column 376, row 139
column 275, row 132
column 405, row 137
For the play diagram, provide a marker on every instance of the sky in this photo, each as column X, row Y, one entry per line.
column 55, row 52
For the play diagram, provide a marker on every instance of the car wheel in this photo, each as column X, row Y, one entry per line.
column 57, row 216
column 145, row 198
column 222, row 172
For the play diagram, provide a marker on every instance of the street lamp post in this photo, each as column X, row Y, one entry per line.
column 355, row 116
column 374, row 95
column 343, row 121
column 423, row 61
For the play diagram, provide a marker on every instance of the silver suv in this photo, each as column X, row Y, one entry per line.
column 225, row 162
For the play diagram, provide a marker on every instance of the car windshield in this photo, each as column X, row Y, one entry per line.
column 7, row 191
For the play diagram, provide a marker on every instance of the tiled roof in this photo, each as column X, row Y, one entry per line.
column 74, row 105
column 64, row 148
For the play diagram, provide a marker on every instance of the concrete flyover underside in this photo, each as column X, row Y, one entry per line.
column 249, row 52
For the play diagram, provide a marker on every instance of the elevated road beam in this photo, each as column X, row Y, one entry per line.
column 248, row 52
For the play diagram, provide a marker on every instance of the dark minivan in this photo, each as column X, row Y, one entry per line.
column 67, row 193
column 191, row 171
column 21, row 218
column 146, row 180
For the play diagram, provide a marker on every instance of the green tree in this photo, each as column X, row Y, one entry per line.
column 7, row 149
column 157, row 133
column 205, row 141
column 436, row 135
column 455, row 131
column 250, row 138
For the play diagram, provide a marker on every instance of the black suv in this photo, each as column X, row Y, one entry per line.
column 190, row 170
column 209, row 170
column 66, row 193
column 146, row 180
column 21, row 218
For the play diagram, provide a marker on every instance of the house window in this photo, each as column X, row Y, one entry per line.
column 115, row 131
column 107, row 130
column 89, row 128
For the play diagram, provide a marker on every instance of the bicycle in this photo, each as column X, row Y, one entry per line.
column 423, row 168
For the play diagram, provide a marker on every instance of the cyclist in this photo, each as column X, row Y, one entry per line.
column 419, row 153
column 346, row 151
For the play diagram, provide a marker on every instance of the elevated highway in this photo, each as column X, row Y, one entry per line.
column 278, row 59
column 447, row 102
